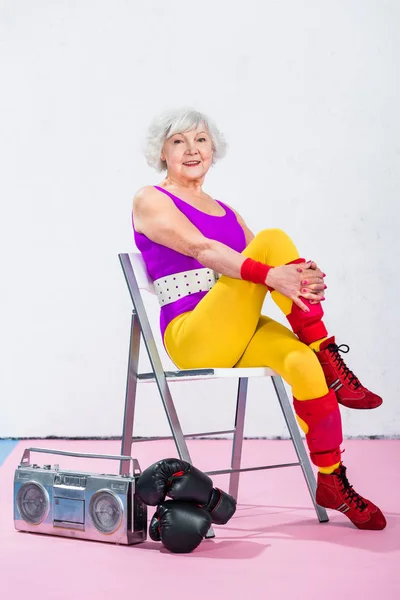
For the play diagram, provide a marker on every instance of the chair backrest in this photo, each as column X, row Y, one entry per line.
column 142, row 277
column 147, row 309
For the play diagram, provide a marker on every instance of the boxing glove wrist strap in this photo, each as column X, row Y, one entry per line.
column 254, row 271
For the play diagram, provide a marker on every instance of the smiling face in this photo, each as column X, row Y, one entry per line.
column 188, row 154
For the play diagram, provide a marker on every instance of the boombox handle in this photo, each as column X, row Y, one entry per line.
column 26, row 457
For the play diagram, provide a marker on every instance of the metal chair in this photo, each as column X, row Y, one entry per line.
column 138, row 280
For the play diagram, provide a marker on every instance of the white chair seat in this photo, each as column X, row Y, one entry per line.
column 202, row 374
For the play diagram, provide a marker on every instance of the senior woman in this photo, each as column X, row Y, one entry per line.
column 212, row 274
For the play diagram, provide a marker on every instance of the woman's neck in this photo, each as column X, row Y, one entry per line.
column 192, row 186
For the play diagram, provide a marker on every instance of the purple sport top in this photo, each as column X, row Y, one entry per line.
column 161, row 261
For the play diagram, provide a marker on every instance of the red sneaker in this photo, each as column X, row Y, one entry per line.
column 348, row 388
column 334, row 491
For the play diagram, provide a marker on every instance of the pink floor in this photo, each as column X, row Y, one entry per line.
column 273, row 547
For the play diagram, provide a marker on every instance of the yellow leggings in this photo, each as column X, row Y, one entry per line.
column 227, row 329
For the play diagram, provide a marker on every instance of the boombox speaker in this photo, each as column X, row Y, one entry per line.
column 77, row 504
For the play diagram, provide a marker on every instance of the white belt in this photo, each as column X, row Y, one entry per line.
column 178, row 285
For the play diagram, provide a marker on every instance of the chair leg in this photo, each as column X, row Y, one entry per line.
column 130, row 394
column 237, row 443
column 173, row 419
column 171, row 413
column 130, row 398
column 298, row 444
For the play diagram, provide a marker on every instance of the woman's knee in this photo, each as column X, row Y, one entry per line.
column 273, row 246
column 273, row 235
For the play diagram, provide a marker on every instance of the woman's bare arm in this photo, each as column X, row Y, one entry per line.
column 158, row 218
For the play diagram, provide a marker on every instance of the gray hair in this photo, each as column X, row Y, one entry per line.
column 177, row 121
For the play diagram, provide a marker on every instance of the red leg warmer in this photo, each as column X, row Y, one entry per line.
column 324, row 436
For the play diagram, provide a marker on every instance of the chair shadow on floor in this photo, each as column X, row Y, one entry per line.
column 339, row 530
column 249, row 542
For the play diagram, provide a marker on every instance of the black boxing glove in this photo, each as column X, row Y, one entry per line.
column 180, row 480
column 221, row 506
column 180, row 526
column 175, row 478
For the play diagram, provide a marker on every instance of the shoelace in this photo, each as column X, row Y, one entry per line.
column 351, row 494
column 334, row 349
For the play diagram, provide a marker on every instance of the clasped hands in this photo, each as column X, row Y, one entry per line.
column 298, row 280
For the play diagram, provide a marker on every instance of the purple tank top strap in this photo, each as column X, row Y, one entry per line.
column 176, row 199
column 226, row 207
column 170, row 194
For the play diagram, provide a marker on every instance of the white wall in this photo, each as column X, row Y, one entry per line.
column 307, row 94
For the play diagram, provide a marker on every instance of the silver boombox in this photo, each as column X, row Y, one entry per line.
column 77, row 504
